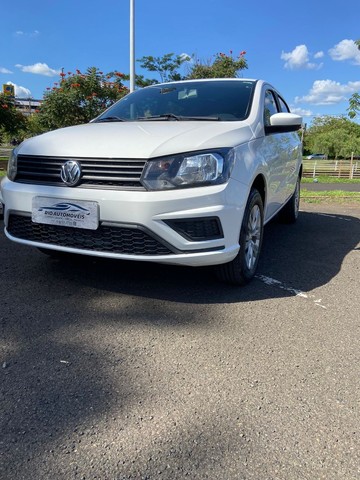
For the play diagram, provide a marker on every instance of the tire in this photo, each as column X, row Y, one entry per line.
column 290, row 212
column 243, row 268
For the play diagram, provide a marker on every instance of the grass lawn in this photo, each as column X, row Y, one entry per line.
column 329, row 196
column 3, row 164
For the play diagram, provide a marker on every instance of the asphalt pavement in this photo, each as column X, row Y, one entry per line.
column 321, row 187
column 115, row 370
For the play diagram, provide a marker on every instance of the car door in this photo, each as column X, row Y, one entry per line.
column 281, row 155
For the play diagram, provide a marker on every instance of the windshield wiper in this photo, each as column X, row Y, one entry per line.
column 165, row 116
column 172, row 116
column 111, row 119
column 203, row 117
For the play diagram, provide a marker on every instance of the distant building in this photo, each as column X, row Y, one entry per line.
column 27, row 106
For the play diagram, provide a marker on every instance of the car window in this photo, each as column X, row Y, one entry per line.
column 226, row 100
column 270, row 107
column 283, row 105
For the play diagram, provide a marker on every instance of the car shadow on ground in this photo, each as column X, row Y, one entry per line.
column 302, row 256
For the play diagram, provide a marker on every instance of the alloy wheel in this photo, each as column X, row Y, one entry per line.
column 253, row 237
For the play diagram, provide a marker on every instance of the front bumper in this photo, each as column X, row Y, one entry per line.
column 136, row 217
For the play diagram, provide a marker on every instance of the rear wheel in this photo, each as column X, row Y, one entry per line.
column 242, row 269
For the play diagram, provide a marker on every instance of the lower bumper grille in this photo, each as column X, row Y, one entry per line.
column 107, row 238
column 198, row 229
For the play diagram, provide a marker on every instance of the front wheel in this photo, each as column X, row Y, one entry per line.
column 242, row 269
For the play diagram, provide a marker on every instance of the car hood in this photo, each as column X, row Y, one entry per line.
column 137, row 139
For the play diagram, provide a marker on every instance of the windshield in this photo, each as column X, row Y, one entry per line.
column 201, row 100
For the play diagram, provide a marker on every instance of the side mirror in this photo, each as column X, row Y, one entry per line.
column 284, row 122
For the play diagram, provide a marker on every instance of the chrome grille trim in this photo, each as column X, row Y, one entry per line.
column 115, row 173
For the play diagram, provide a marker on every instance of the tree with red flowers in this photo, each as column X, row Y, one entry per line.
column 79, row 97
column 11, row 121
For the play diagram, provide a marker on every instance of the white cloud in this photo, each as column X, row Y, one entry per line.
column 301, row 111
column 39, row 69
column 299, row 58
column 20, row 92
column 5, row 70
column 319, row 55
column 21, row 33
column 185, row 57
column 328, row 92
column 345, row 50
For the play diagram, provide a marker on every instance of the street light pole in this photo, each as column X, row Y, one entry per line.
column 132, row 45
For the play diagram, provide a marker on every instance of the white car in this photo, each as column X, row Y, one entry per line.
column 183, row 173
column 316, row 156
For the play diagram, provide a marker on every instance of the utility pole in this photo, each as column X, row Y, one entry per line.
column 132, row 45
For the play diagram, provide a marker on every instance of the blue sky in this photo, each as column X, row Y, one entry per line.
column 305, row 49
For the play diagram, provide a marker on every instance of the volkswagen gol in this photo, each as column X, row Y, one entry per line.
column 184, row 173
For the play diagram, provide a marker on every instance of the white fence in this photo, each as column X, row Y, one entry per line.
column 331, row 168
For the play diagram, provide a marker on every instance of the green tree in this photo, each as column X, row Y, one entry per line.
column 166, row 66
column 12, row 122
column 354, row 105
column 141, row 81
column 320, row 137
column 34, row 126
column 354, row 101
column 223, row 66
column 79, row 97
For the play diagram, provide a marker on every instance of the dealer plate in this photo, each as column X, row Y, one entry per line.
column 67, row 213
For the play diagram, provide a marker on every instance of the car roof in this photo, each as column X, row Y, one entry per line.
column 209, row 80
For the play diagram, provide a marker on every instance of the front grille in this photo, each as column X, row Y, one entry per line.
column 197, row 229
column 107, row 238
column 96, row 172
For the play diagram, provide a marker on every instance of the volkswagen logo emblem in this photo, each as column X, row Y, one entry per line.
column 71, row 173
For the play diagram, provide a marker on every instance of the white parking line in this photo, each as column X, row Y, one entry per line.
column 294, row 291
column 334, row 216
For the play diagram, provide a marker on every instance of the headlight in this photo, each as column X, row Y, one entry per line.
column 12, row 165
column 188, row 170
